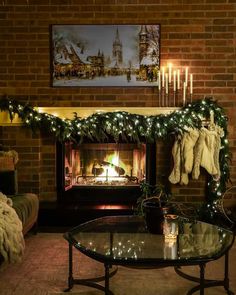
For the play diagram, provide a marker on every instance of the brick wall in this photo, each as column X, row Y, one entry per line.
column 200, row 34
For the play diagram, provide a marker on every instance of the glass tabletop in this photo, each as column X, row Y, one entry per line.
column 125, row 240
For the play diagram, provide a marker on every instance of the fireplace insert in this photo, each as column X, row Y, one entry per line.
column 104, row 164
column 102, row 173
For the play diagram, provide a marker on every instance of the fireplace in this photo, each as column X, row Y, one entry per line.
column 104, row 164
column 103, row 173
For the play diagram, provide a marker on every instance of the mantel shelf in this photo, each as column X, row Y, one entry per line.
column 83, row 112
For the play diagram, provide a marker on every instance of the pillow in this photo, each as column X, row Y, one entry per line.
column 6, row 164
column 8, row 160
column 8, row 182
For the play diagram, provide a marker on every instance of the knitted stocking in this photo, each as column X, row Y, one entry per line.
column 183, row 156
column 198, row 150
column 207, row 152
column 207, row 160
column 219, row 134
column 175, row 174
column 188, row 143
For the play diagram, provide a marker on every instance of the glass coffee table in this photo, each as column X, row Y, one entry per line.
column 124, row 240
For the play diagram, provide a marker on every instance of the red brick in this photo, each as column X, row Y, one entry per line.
column 223, row 21
column 223, row 77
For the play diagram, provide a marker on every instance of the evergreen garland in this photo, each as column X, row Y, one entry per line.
column 123, row 126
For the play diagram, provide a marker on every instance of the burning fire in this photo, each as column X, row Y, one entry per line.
column 112, row 167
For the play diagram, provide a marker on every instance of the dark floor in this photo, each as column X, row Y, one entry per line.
column 44, row 271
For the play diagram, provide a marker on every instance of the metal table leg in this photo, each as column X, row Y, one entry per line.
column 90, row 282
column 226, row 276
column 204, row 283
column 107, row 266
column 70, row 276
column 202, row 278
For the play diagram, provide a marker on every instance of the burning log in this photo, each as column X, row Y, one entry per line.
column 131, row 178
column 97, row 171
column 118, row 169
column 98, row 168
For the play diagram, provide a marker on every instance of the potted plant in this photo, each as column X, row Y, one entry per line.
column 153, row 204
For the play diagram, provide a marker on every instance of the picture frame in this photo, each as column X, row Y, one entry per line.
column 105, row 55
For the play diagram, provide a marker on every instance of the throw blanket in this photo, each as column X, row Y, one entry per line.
column 12, row 242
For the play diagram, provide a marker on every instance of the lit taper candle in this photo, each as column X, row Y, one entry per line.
column 186, row 76
column 167, row 83
column 170, row 71
column 174, row 81
column 178, row 79
column 163, row 77
column 184, row 93
column 191, row 84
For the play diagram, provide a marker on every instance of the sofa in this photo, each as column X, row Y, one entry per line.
column 26, row 205
column 18, row 211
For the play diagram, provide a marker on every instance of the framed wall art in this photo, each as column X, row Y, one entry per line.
column 105, row 55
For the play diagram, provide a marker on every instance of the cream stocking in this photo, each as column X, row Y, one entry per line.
column 189, row 141
column 207, row 152
column 207, row 160
column 183, row 156
column 175, row 174
column 198, row 150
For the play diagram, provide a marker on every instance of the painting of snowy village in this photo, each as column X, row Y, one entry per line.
column 105, row 55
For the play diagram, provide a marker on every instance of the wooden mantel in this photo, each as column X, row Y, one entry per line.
column 83, row 112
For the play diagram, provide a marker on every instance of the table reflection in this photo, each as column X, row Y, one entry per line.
column 181, row 239
column 200, row 239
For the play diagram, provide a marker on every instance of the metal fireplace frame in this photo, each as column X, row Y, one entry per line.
column 102, row 195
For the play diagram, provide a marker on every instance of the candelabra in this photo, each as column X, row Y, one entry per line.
column 174, row 89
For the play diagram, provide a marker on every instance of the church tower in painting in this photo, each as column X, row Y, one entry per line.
column 117, row 49
column 143, row 42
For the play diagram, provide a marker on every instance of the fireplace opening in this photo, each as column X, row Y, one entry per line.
column 103, row 173
column 104, row 164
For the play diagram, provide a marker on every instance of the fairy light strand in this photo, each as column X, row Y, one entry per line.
column 124, row 126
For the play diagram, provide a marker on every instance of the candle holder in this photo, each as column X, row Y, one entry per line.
column 166, row 99
column 177, row 90
column 170, row 226
column 177, row 97
column 169, row 94
column 188, row 96
column 163, row 96
column 174, row 97
column 191, row 97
